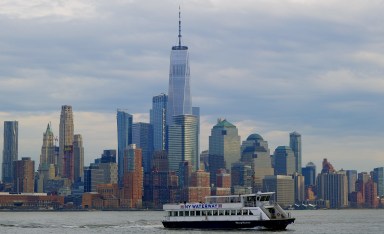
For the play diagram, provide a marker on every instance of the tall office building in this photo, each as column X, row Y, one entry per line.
column 378, row 178
column 24, row 175
column 179, row 91
column 309, row 173
column 224, row 147
column 142, row 137
column 78, row 155
column 47, row 159
column 133, row 178
column 284, row 161
column 284, row 188
column 66, row 132
column 255, row 152
column 352, row 179
column 10, row 149
column 124, row 139
column 183, row 142
column 333, row 186
column 158, row 121
column 295, row 144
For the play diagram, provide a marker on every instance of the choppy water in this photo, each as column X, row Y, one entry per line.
column 318, row 221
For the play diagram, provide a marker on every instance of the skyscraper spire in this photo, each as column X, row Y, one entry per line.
column 179, row 27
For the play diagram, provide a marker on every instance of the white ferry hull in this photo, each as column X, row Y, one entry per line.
column 276, row 224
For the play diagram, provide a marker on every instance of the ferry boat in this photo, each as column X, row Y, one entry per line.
column 228, row 212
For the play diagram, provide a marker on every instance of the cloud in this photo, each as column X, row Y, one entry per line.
column 268, row 66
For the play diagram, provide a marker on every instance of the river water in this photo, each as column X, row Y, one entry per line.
column 316, row 221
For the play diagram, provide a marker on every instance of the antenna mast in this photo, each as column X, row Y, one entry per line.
column 179, row 27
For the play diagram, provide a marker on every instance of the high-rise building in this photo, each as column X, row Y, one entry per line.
column 295, row 144
column 352, row 179
column 309, row 173
column 224, row 147
column 255, row 152
column 299, row 187
column 66, row 133
column 10, row 149
column 333, row 186
column 179, row 91
column 24, row 175
column 158, row 121
column 142, row 137
column 378, row 178
column 284, row 161
column 47, row 159
column 93, row 175
column 183, row 142
column 108, row 156
column 241, row 175
column 133, row 178
column 124, row 139
column 284, row 189
column 78, row 155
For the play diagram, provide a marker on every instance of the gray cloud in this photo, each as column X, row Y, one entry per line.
column 269, row 66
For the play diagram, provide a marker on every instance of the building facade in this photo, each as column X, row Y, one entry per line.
column 66, row 133
column 142, row 137
column 47, row 159
column 24, row 175
column 255, row 152
column 378, row 178
column 10, row 149
column 183, row 142
column 179, row 90
column 284, row 189
column 158, row 121
column 295, row 144
column 309, row 173
column 284, row 159
column 224, row 147
column 124, row 139
column 78, row 155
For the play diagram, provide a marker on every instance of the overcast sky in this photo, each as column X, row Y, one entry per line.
column 268, row 66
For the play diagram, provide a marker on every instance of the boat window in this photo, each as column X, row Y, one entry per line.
column 215, row 212
column 221, row 212
column 174, row 213
column 193, row 213
column 198, row 213
column 181, row 213
column 258, row 198
column 209, row 212
column 263, row 198
column 267, row 198
column 204, row 212
column 227, row 212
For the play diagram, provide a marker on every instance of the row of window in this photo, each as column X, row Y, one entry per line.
column 209, row 212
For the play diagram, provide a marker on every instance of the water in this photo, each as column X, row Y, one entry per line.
column 317, row 221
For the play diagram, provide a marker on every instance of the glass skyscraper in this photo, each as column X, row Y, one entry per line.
column 295, row 144
column 378, row 177
column 124, row 139
column 10, row 149
column 143, row 138
column 183, row 145
column 224, row 147
column 284, row 159
column 158, row 121
column 179, row 91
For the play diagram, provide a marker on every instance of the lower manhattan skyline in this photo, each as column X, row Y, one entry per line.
column 268, row 67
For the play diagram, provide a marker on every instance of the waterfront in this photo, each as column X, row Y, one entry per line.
column 316, row 221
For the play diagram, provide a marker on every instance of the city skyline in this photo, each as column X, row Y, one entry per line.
column 278, row 67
